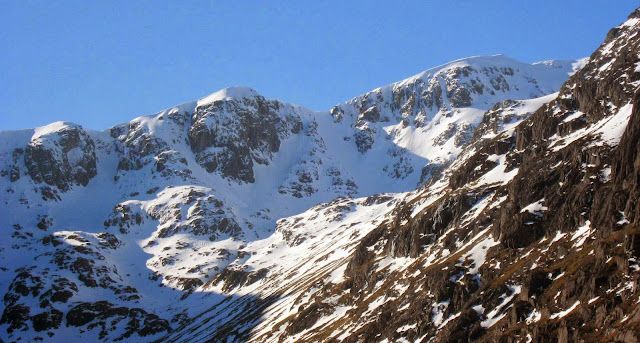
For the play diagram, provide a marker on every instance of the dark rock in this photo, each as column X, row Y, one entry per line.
column 62, row 158
column 230, row 135
column 232, row 278
column 103, row 315
column 47, row 320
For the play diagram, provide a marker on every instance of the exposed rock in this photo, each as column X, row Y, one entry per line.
column 61, row 155
column 239, row 218
column 232, row 278
column 105, row 316
column 229, row 135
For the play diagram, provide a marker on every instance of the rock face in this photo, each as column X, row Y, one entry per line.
column 230, row 134
column 476, row 82
column 482, row 200
column 61, row 155
column 530, row 235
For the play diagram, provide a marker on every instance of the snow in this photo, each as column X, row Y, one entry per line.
column 558, row 236
column 535, row 207
column 563, row 313
column 497, row 175
column 437, row 312
column 579, row 64
column 227, row 93
column 450, row 318
column 52, row 128
column 582, row 233
column 300, row 241
column 406, row 327
column 605, row 174
column 422, row 144
column 608, row 130
column 624, row 219
column 606, row 65
column 533, row 317
column 500, row 311
column 612, row 130
column 630, row 22
column 573, row 116
column 520, row 111
column 478, row 253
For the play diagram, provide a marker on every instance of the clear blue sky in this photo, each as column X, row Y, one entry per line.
column 99, row 63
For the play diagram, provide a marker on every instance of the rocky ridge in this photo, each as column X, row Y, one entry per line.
column 415, row 212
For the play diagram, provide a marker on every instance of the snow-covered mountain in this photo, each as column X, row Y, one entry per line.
column 419, row 210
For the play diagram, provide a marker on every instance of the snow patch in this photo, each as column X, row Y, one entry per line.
column 561, row 314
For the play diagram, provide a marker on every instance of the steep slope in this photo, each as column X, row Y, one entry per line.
column 150, row 223
column 322, row 242
column 237, row 217
column 530, row 235
column 430, row 117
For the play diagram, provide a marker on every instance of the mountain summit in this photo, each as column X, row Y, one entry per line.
column 485, row 199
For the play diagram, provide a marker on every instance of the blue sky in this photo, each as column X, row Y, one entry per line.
column 99, row 63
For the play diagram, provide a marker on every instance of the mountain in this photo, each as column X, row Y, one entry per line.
column 484, row 199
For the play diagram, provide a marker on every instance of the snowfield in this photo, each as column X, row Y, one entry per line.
column 229, row 209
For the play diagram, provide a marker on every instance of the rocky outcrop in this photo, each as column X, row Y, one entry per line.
column 72, row 261
column 107, row 317
column 229, row 134
column 61, row 155
column 240, row 218
column 141, row 145
column 532, row 235
column 456, row 85
column 231, row 278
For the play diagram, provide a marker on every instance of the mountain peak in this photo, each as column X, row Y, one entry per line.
column 484, row 61
column 54, row 127
column 235, row 92
column 483, row 199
